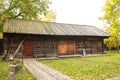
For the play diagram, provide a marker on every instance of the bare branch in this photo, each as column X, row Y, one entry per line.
column 18, row 15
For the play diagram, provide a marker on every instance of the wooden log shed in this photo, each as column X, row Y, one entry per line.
column 53, row 39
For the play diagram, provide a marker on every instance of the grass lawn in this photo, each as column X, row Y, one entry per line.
column 4, row 68
column 88, row 68
column 22, row 74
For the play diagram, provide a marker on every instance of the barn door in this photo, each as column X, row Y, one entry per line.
column 62, row 47
column 71, row 47
column 65, row 47
column 94, row 47
column 27, row 48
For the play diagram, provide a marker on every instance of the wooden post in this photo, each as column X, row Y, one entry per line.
column 11, row 76
column 84, row 50
column 102, row 45
column 5, row 47
column 22, row 53
column 12, row 68
column 22, row 59
column 11, row 72
column 57, row 48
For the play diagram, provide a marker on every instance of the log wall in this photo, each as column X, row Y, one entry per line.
column 44, row 47
column 91, row 45
column 48, row 45
column 1, row 47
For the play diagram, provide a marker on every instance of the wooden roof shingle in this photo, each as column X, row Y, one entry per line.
column 50, row 28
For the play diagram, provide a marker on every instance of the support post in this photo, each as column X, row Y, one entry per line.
column 11, row 76
column 11, row 72
column 22, row 53
column 102, row 45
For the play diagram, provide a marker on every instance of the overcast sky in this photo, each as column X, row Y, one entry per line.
column 83, row 12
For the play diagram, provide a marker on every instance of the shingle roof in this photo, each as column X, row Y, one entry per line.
column 50, row 28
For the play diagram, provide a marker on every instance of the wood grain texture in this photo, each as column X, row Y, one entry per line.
column 42, row 72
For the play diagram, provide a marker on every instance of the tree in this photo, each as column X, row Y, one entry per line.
column 24, row 9
column 114, row 40
column 112, row 18
column 50, row 16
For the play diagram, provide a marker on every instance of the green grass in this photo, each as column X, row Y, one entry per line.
column 4, row 67
column 88, row 68
column 22, row 74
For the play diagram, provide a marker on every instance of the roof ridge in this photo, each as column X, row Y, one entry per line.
column 51, row 22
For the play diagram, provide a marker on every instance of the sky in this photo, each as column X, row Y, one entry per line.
column 83, row 12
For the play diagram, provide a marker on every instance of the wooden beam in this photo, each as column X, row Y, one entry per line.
column 18, row 48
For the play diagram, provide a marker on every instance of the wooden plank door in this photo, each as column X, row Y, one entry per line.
column 94, row 47
column 27, row 48
column 65, row 47
column 71, row 47
column 62, row 47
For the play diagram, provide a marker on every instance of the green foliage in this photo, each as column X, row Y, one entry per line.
column 112, row 12
column 88, row 68
column 24, row 9
column 114, row 40
column 112, row 18
column 50, row 16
